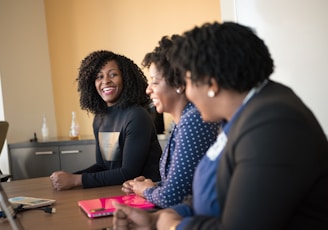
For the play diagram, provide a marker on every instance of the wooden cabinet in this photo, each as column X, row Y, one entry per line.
column 39, row 159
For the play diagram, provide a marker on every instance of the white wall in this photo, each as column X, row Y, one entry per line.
column 25, row 72
column 25, row 69
column 4, row 152
column 296, row 32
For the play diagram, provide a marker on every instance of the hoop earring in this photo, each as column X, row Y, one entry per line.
column 211, row 93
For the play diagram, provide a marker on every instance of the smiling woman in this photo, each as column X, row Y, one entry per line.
column 188, row 141
column 112, row 87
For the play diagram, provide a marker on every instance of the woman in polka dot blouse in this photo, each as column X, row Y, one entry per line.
column 190, row 137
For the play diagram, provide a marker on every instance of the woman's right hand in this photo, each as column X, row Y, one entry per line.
column 62, row 180
column 128, row 185
column 126, row 217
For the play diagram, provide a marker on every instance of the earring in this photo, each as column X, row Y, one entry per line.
column 211, row 93
column 178, row 91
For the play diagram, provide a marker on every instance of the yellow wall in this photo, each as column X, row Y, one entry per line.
column 132, row 28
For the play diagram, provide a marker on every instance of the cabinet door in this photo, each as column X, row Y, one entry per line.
column 77, row 157
column 33, row 162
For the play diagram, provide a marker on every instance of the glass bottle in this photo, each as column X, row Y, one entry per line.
column 74, row 133
column 44, row 129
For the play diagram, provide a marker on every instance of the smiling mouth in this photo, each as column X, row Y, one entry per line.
column 155, row 101
column 108, row 90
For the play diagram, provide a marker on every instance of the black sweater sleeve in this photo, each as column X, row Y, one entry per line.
column 137, row 144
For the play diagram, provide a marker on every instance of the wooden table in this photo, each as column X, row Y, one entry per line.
column 68, row 214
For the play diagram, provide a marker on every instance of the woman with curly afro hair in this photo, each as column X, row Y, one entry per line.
column 113, row 88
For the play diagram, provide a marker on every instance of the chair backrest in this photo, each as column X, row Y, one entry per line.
column 3, row 135
column 8, row 210
column 4, row 125
column 5, row 205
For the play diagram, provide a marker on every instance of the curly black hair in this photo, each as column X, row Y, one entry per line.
column 160, row 58
column 134, row 82
column 229, row 52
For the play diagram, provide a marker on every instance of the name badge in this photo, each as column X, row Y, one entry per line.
column 216, row 149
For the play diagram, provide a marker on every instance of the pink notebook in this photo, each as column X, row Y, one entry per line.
column 103, row 206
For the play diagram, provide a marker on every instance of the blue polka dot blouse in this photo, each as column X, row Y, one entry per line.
column 188, row 143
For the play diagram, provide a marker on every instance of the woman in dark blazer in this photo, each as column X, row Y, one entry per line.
column 268, row 169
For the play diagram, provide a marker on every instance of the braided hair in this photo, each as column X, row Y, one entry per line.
column 134, row 82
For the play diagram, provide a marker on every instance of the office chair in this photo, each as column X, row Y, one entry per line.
column 4, row 125
column 4, row 177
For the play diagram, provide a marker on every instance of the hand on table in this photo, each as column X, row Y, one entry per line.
column 61, row 180
column 126, row 217
column 137, row 185
column 167, row 218
column 128, row 185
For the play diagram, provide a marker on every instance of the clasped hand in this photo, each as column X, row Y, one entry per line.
column 137, row 185
column 126, row 217
column 61, row 180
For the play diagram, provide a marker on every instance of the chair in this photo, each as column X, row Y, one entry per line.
column 4, row 125
column 4, row 177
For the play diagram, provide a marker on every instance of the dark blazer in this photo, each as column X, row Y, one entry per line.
column 273, row 174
